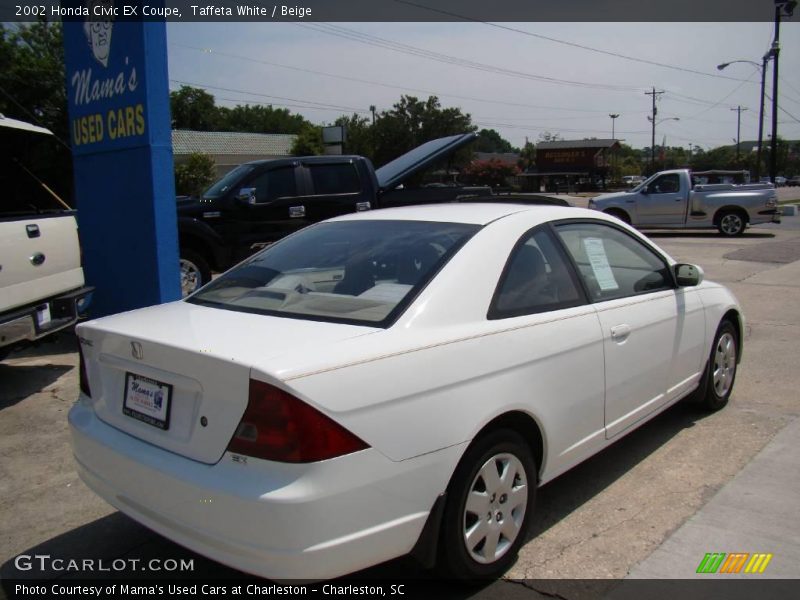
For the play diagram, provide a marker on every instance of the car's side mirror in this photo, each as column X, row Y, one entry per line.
column 247, row 195
column 645, row 190
column 688, row 275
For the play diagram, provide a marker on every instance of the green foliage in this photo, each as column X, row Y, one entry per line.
column 491, row 141
column 194, row 175
column 259, row 119
column 308, row 142
column 359, row 135
column 488, row 172
column 193, row 108
column 32, row 89
column 411, row 122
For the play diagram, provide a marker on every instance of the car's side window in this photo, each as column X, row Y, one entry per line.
column 274, row 184
column 335, row 178
column 612, row 263
column 536, row 278
column 666, row 184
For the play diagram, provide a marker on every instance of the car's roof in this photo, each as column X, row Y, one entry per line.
column 473, row 213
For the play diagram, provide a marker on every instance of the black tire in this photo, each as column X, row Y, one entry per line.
column 620, row 214
column 513, row 456
column 195, row 271
column 731, row 223
column 715, row 391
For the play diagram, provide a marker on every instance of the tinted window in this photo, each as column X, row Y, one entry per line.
column 348, row 271
column 274, row 184
column 334, row 179
column 224, row 185
column 612, row 263
column 536, row 279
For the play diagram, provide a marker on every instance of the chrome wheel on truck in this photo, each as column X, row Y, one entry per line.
column 731, row 223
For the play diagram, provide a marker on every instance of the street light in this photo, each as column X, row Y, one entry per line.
column 613, row 119
column 763, row 68
column 653, row 141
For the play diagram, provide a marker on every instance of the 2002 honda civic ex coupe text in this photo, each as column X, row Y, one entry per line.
column 393, row 382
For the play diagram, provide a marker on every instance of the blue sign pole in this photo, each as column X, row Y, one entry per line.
column 118, row 96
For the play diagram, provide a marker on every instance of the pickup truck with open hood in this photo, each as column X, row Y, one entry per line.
column 259, row 202
column 673, row 200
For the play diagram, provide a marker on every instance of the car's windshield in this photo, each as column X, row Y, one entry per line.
column 364, row 271
column 223, row 185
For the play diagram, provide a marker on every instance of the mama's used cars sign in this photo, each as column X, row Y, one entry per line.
column 106, row 81
column 118, row 93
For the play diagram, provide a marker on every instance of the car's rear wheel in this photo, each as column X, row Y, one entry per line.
column 195, row 271
column 489, row 507
column 731, row 223
column 720, row 372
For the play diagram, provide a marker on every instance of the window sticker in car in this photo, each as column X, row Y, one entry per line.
column 596, row 253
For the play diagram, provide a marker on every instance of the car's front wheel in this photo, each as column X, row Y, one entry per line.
column 720, row 372
column 489, row 507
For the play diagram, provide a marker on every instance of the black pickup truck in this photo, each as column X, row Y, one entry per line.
column 260, row 202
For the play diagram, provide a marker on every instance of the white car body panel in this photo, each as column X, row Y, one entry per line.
column 417, row 392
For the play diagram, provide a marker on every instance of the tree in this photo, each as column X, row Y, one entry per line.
column 359, row 135
column 195, row 175
column 489, row 172
column 32, row 89
column 491, row 141
column 411, row 122
column 193, row 108
column 308, row 142
column 547, row 136
column 259, row 119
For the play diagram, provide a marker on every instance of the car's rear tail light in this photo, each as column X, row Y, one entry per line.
column 84, row 379
column 277, row 426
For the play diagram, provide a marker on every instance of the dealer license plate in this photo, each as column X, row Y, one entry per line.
column 147, row 400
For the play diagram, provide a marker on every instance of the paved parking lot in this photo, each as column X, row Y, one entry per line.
column 598, row 521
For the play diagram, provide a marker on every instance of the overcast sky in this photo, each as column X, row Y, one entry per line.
column 509, row 84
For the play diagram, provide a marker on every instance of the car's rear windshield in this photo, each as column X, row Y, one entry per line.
column 361, row 272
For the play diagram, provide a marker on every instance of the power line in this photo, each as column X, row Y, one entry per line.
column 381, row 84
column 310, row 102
column 571, row 44
column 454, row 60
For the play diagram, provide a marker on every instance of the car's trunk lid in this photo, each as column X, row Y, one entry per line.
column 198, row 360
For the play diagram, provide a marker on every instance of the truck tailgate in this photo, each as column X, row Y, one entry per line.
column 39, row 258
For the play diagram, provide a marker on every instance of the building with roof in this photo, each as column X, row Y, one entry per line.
column 571, row 165
column 229, row 148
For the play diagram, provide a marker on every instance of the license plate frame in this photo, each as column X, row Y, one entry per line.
column 147, row 400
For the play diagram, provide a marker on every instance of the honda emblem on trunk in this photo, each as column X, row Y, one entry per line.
column 136, row 351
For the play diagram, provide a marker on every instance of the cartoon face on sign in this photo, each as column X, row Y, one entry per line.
column 98, row 32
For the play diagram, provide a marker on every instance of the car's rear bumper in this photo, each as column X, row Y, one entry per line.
column 281, row 521
column 35, row 321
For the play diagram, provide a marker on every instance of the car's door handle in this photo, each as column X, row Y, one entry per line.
column 620, row 333
column 297, row 212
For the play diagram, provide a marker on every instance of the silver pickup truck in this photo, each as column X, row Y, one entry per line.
column 671, row 200
column 41, row 280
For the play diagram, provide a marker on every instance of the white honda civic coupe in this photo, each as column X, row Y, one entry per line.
column 393, row 382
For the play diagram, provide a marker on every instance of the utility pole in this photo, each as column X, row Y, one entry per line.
column 738, row 110
column 372, row 130
column 782, row 7
column 654, row 94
